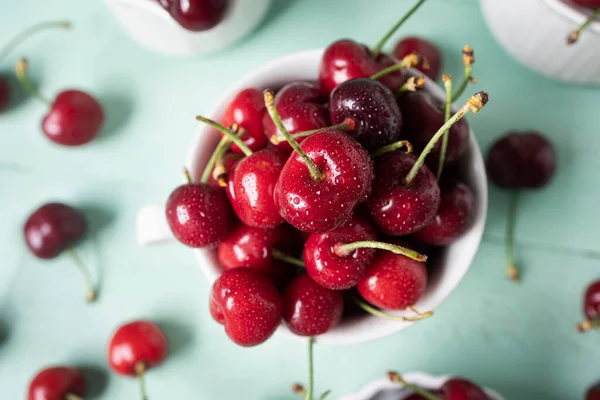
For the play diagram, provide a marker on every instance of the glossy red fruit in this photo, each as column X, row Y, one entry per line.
column 56, row 383
column 423, row 117
column 372, row 107
column 397, row 208
column 137, row 342
column 309, row 309
column 328, row 269
column 452, row 218
column 251, row 186
column 393, row 282
column 593, row 392
column 591, row 301
column 422, row 47
column 4, row 92
column 462, row 389
column 322, row 205
column 301, row 107
column 594, row 4
column 247, row 247
column 53, row 228
column 75, row 118
column 198, row 214
column 525, row 160
column 247, row 109
column 247, row 304
column 346, row 59
column 196, row 15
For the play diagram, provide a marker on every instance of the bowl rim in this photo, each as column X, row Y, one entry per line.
column 382, row 327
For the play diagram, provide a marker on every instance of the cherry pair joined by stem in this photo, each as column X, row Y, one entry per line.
column 196, row 15
column 57, row 383
column 424, row 48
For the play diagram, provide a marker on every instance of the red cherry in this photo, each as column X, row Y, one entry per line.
column 56, row 383
column 452, row 218
column 393, row 282
column 309, row 309
column 328, row 269
column 301, row 107
column 247, row 247
column 593, row 392
column 196, row 15
column 346, row 59
column 251, row 185
column 595, row 4
column 231, row 160
column 247, row 304
column 198, row 214
column 462, row 389
column 397, row 208
column 424, row 48
column 591, row 307
column 247, row 110
column 4, row 92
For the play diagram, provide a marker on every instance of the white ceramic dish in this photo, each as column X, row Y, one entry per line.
column 304, row 66
column 383, row 389
column 153, row 28
column 535, row 31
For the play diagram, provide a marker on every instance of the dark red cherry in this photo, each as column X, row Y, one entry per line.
column 53, row 228
column 452, row 218
column 346, row 59
column 301, row 107
column 393, row 282
column 251, row 185
column 422, row 47
column 332, row 271
column 372, row 107
column 231, row 160
column 595, row 4
column 591, row 301
column 247, row 110
column 462, row 389
column 322, row 204
column 198, row 214
column 247, row 304
column 247, row 247
column 593, row 392
column 56, row 383
column 524, row 160
column 309, row 309
column 4, row 92
column 197, row 15
column 397, row 208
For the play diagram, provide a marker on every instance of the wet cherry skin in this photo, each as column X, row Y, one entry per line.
column 462, row 389
column 247, row 109
column 422, row 47
column 55, row 383
column 196, row 15
column 4, row 92
column 247, row 247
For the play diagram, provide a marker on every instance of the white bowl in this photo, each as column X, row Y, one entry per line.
column 304, row 66
column 153, row 28
column 383, row 389
column 535, row 32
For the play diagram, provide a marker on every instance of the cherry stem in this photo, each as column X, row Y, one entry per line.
column 347, row 125
column 473, row 104
column 574, row 36
column 228, row 133
column 71, row 396
column 221, row 148
column 21, row 71
column 91, row 292
column 188, row 177
column 378, row 313
column 30, row 31
column 389, row 34
column 412, row 84
column 309, row 392
column 140, row 369
column 281, row 256
column 315, row 172
column 393, row 147
column 468, row 60
column 396, row 378
column 509, row 244
column 587, row 325
column 448, row 85
column 346, row 249
column 409, row 61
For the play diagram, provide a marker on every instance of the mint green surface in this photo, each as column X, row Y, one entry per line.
column 518, row 340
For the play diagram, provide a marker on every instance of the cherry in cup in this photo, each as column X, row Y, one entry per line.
column 452, row 389
column 424, row 48
column 57, row 383
column 247, row 247
column 247, row 110
column 196, row 15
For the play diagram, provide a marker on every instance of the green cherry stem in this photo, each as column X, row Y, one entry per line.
column 281, row 256
column 21, row 71
column 574, row 36
column 509, row 238
column 346, row 126
column 396, row 378
column 311, row 372
column 468, row 58
column 315, row 172
column 42, row 26
column 221, row 148
column 91, row 292
column 389, row 34
column 187, row 175
column 345, row 249
column 473, row 104
column 325, row 394
column 410, row 61
column 393, row 147
column 140, row 370
column 228, row 133
column 378, row 313
column 448, row 106
column 71, row 396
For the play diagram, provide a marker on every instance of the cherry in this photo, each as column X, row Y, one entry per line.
column 372, row 107
column 136, row 347
column 75, row 118
column 424, row 48
column 462, row 389
column 588, row 3
column 196, row 15
column 4, row 92
column 247, row 110
column 593, row 392
column 309, row 309
column 452, row 218
column 247, row 247
column 419, row 392
column 247, row 304
column 57, row 383
column 221, row 173
column 591, row 307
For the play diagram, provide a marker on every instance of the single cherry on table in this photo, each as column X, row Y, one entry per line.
column 591, row 308
column 425, row 48
column 197, row 15
column 57, row 383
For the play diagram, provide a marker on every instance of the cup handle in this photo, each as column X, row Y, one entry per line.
column 151, row 226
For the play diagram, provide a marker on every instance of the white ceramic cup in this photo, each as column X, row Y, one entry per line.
column 304, row 66
column 535, row 31
column 383, row 389
column 153, row 28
